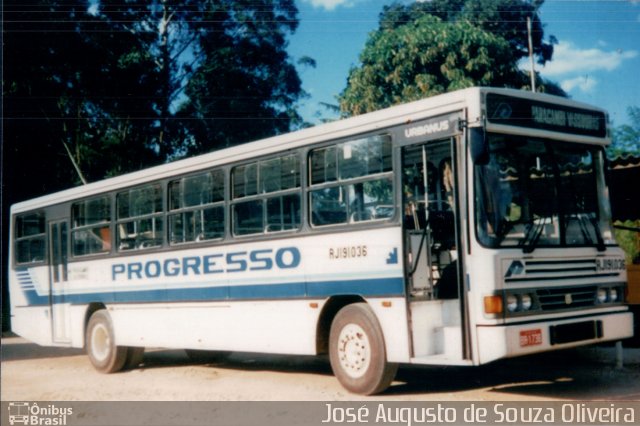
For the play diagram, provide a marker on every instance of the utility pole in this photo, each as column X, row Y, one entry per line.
column 533, row 71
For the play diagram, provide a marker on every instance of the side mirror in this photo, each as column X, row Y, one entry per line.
column 478, row 146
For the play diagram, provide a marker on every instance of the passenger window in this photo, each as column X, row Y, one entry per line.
column 352, row 182
column 91, row 232
column 30, row 238
column 275, row 204
column 323, row 163
column 283, row 213
column 245, row 180
column 328, row 206
column 279, row 174
column 248, row 217
column 196, row 205
column 140, row 224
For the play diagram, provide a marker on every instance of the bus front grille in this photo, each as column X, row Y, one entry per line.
column 554, row 299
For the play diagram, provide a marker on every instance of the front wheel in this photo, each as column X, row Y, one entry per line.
column 103, row 353
column 357, row 351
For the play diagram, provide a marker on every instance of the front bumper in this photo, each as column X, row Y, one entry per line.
column 504, row 341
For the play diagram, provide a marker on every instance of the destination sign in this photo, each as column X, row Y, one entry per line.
column 532, row 114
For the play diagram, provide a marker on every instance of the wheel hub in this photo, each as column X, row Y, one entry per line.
column 100, row 342
column 354, row 350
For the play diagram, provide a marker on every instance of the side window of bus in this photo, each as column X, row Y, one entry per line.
column 196, row 208
column 267, row 196
column 90, row 230
column 140, row 218
column 352, row 182
column 30, row 238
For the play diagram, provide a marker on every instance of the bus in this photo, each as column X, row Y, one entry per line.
column 455, row 230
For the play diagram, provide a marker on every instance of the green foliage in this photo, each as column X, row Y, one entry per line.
column 502, row 18
column 237, row 97
column 69, row 81
column 427, row 48
column 628, row 240
column 126, row 84
column 423, row 58
column 626, row 138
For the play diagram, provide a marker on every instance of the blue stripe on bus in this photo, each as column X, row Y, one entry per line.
column 364, row 287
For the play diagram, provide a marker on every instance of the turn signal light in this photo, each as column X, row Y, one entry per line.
column 493, row 304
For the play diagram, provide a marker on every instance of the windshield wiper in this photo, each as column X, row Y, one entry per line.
column 584, row 220
column 530, row 240
column 601, row 246
column 583, row 228
column 503, row 230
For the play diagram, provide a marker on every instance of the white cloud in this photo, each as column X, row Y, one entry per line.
column 569, row 59
column 330, row 5
column 583, row 83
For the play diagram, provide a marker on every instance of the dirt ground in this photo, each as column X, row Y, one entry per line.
column 34, row 373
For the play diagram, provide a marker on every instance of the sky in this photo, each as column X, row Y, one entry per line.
column 596, row 60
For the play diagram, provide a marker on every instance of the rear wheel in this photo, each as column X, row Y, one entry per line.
column 357, row 351
column 103, row 353
column 135, row 356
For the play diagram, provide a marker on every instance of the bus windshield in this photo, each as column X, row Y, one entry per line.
column 541, row 193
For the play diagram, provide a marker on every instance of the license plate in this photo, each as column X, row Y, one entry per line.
column 575, row 332
column 531, row 337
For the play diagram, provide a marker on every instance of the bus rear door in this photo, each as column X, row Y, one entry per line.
column 58, row 272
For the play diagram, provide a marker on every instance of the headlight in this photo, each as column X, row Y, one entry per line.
column 512, row 303
column 613, row 295
column 526, row 302
column 602, row 295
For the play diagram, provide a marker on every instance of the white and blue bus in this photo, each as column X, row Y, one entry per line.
column 455, row 230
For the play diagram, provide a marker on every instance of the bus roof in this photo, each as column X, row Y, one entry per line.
column 441, row 104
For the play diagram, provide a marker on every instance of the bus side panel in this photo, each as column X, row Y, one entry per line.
column 286, row 327
column 33, row 323
column 30, row 309
column 392, row 316
column 253, row 296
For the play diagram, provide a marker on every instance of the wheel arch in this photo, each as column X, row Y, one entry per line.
column 328, row 313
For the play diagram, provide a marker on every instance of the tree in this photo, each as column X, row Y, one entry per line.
column 125, row 84
column 503, row 18
column 428, row 48
column 626, row 138
column 245, row 87
column 423, row 58
column 73, row 84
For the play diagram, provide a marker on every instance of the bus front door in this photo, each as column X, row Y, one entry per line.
column 58, row 249
column 429, row 221
column 431, row 257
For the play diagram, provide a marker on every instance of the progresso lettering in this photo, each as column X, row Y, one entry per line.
column 218, row 263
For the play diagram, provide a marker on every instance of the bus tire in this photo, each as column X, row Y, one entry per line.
column 357, row 351
column 103, row 353
column 135, row 356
